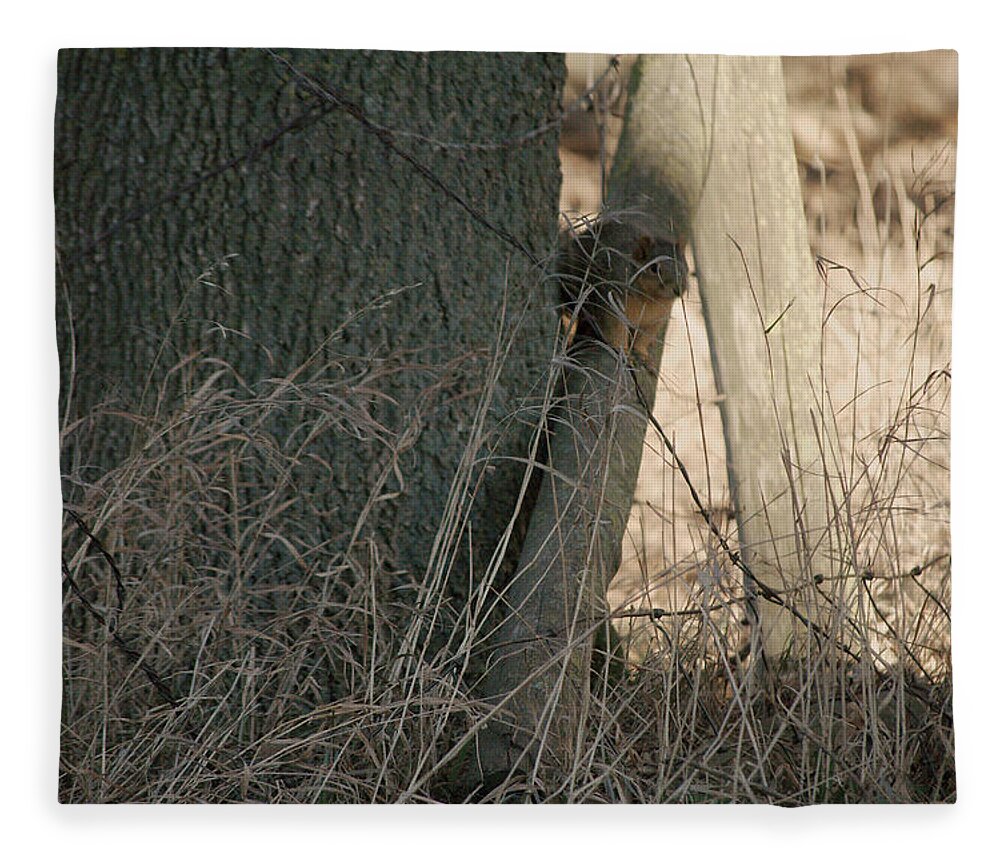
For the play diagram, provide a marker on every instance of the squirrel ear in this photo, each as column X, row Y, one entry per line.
column 640, row 253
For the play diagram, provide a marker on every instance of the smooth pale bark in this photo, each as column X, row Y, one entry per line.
column 541, row 654
column 711, row 136
column 540, row 665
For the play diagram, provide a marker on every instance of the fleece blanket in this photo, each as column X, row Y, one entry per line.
column 505, row 427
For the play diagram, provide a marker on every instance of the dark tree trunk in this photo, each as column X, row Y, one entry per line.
column 170, row 161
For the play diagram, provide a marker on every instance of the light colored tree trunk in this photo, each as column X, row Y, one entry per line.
column 541, row 654
column 711, row 136
column 705, row 155
column 540, row 666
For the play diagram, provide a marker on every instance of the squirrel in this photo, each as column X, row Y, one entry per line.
column 618, row 285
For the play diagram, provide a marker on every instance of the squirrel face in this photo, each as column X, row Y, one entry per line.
column 619, row 285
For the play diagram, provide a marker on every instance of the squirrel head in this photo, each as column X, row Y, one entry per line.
column 660, row 263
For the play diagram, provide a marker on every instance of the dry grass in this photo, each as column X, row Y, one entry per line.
column 216, row 650
column 215, row 653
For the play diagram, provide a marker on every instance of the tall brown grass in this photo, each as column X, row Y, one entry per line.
column 217, row 650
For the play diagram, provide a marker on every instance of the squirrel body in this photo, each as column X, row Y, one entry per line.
column 619, row 284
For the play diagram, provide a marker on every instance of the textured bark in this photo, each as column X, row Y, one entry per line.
column 714, row 135
column 167, row 161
